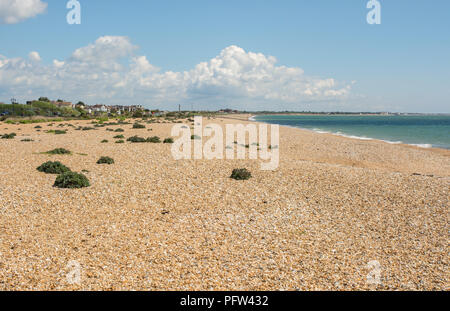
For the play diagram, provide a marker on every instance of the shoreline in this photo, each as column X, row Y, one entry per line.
column 150, row 222
column 425, row 146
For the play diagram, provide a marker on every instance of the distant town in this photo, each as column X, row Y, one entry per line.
column 61, row 108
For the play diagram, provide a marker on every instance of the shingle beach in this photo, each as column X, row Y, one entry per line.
column 149, row 222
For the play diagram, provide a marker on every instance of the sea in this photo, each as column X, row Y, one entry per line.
column 424, row 131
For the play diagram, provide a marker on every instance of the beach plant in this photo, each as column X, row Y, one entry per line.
column 27, row 140
column 119, row 130
column 9, row 136
column 38, row 127
column 119, row 137
column 105, row 160
column 120, row 142
column 138, row 126
column 241, row 174
column 53, row 168
column 168, row 141
column 137, row 139
column 59, row 151
column 153, row 140
column 57, row 132
column 71, row 180
column 104, row 141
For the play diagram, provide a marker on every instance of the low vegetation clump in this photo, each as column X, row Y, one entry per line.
column 168, row 141
column 9, row 136
column 26, row 140
column 138, row 126
column 119, row 137
column 119, row 130
column 241, row 174
column 71, row 180
column 137, row 139
column 87, row 128
column 195, row 137
column 53, row 168
column 57, row 132
column 120, row 142
column 104, row 141
column 59, row 151
column 105, row 160
column 154, row 140
column 38, row 127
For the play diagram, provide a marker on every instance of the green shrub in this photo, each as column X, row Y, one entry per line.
column 57, row 132
column 104, row 141
column 27, row 140
column 59, row 151
column 168, row 141
column 241, row 174
column 138, row 126
column 87, row 128
column 71, row 180
column 195, row 137
column 53, row 168
column 119, row 130
column 105, row 160
column 119, row 137
column 120, row 142
column 38, row 127
column 9, row 136
column 137, row 139
column 154, row 140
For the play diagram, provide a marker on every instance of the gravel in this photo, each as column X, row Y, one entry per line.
column 152, row 223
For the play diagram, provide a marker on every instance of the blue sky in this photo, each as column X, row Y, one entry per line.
column 346, row 64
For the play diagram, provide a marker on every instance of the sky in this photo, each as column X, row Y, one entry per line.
column 317, row 55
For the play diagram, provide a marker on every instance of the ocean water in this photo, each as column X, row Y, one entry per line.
column 421, row 130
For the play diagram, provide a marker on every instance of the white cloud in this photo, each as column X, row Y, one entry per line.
column 57, row 63
column 108, row 71
column 15, row 11
column 34, row 56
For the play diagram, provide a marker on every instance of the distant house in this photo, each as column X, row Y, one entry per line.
column 99, row 108
column 80, row 106
column 136, row 108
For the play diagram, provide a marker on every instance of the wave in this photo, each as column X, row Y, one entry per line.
column 370, row 138
column 423, row 145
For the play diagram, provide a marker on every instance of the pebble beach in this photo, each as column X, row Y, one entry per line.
column 337, row 214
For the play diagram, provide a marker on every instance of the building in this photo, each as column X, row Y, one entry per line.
column 99, row 108
column 80, row 106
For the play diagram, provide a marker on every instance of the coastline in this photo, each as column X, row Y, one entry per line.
column 333, row 205
column 422, row 146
